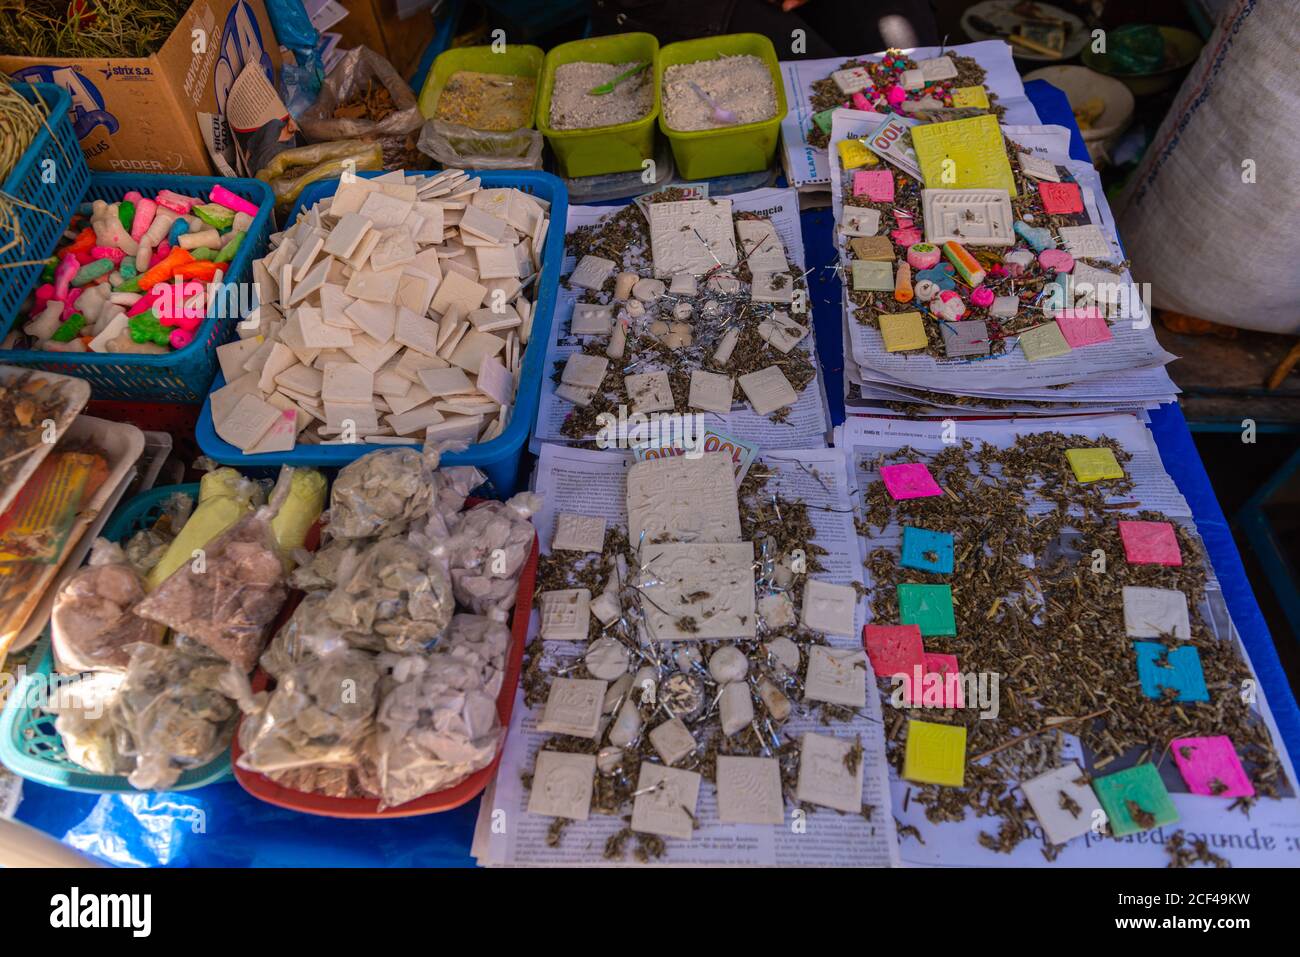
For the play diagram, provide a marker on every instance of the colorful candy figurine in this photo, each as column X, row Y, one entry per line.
column 967, row 266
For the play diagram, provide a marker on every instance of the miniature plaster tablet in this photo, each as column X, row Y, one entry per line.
column 1083, row 327
column 909, row 480
column 777, row 612
column 894, row 649
column 837, row 676
column 562, row 784
column 873, row 248
column 683, row 499
column 771, row 287
column 1150, row 543
column 929, row 607
column 927, row 550
column 711, row 391
column 673, row 740
column 860, row 221
column 573, row 707
column 781, row 332
column 1085, row 242
column 591, row 273
column 606, row 658
column 1161, row 668
column 966, row 337
column 1134, row 800
column 583, row 371
column 749, row 790
column 1155, row 613
column 903, row 331
column 728, row 664
column 760, row 245
column 768, row 390
column 828, row 607
column 666, row 801
column 590, row 319
column 699, row 591
column 649, row 392
column 565, row 613
column 1039, row 168
column 1210, row 766
column 976, row 217
column 1063, row 805
column 578, row 533
column 823, row 777
column 1093, row 465
column 735, row 708
column 872, row 276
column 935, row 754
column 937, row 68
column 1043, row 342
column 691, row 236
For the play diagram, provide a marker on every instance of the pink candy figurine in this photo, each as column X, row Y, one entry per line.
column 160, row 254
column 180, row 338
column 145, row 210
column 981, row 296
column 107, row 252
column 63, row 276
column 176, row 202
column 44, row 293
column 906, row 237
column 224, row 197
column 1018, row 262
column 948, row 306
column 896, row 96
column 70, row 303
column 860, row 102
column 132, row 196
column 1057, row 260
column 146, row 301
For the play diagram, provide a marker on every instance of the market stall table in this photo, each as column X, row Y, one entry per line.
column 220, row 825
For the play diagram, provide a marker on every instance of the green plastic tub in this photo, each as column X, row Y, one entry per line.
column 515, row 59
column 600, row 149
column 704, row 154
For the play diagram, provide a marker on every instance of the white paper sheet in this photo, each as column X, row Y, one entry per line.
column 1270, row 836
column 593, row 483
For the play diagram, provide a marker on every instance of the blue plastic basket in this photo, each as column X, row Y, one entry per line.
column 29, row 745
column 182, row 375
column 500, row 457
column 51, row 176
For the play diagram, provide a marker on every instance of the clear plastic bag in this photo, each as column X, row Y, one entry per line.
column 462, row 147
column 228, row 596
column 439, row 723
column 84, row 721
column 294, row 170
column 92, row 625
column 319, row 715
column 145, row 549
column 381, row 494
column 172, row 713
column 398, row 594
column 350, row 76
column 488, row 547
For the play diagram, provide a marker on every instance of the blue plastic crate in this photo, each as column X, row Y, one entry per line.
column 500, row 457
column 182, row 375
column 29, row 745
column 50, row 179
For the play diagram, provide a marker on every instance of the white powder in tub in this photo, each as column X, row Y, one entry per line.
column 742, row 84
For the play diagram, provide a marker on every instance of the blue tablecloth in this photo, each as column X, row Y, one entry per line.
column 220, row 825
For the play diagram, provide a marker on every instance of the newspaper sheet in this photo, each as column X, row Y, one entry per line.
column 1270, row 836
column 807, row 167
column 809, row 419
column 593, row 483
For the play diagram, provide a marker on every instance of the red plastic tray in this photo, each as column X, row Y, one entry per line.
column 263, row 788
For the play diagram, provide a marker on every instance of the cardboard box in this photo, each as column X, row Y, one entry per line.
column 377, row 24
column 138, row 114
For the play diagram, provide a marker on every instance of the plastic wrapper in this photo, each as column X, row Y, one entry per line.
column 462, row 147
column 225, row 497
column 145, row 549
column 355, row 72
column 399, row 598
column 329, row 564
column 228, row 597
column 173, row 713
column 488, row 549
column 380, row 494
column 84, row 722
column 294, row 170
column 299, row 81
column 92, row 625
column 320, row 714
column 439, row 722
column 301, row 508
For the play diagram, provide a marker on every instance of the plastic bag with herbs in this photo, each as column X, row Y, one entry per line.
column 228, row 596
column 173, row 713
column 461, row 147
column 363, row 98
column 92, row 624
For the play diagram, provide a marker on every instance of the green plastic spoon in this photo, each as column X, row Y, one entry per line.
column 609, row 87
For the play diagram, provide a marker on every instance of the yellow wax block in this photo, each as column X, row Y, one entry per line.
column 903, row 331
column 970, row 96
column 853, row 155
column 1093, row 465
column 225, row 497
column 936, row 754
column 1043, row 342
column 973, row 149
